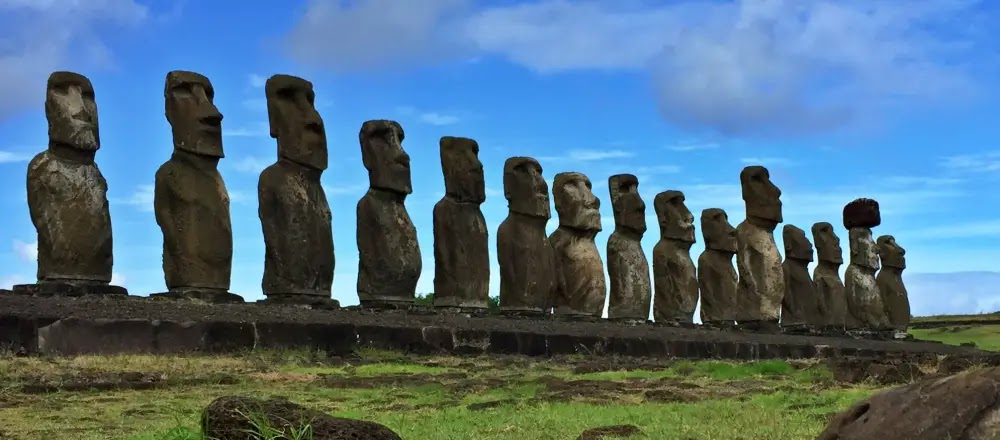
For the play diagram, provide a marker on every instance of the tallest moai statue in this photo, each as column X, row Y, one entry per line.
column 190, row 199
column 294, row 213
column 864, row 303
column 67, row 196
column 762, row 282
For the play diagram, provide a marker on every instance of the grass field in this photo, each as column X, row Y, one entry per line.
column 424, row 397
column 994, row 316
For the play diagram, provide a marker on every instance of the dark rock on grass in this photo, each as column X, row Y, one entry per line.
column 880, row 371
column 244, row 418
column 962, row 406
column 607, row 432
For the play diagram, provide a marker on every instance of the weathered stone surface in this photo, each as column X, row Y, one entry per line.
column 293, row 210
column 717, row 277
column 830, row 293
column 890, row 282
column 580, row 283
column 962, row 406
column 190, row 199
column 334, row 339
column 389, row 263
column 628, row 269
column 609, row 432
column 864, row 303
column 761, row 279
column 461, row 241
column 863, row 213
column 675, row 279
column 72, row 336
column 67, row 194
column 800, row 306
column 527, row 261
column 233, row 418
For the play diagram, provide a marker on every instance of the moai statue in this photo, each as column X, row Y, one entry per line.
column 716, row 274
column 800, row 306
column 762, row 281
column 675, row 279
column 67, row 196
column 890, row 282
column 830, row 294
column 527, row 262
column 580, row 284
column 461, row 241
column 190, row 199
column 864, row 303
column 294, row 213
column 628, row 269
column 389, row 264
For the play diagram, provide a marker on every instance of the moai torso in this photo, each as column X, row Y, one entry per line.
column 461, row 241
column 67, row 195
column 890, row 282
column 830, row 293
column 580, row 284
column 293, row 210
column 675, row 280
column 527, row 262
column 800, row 305
column 761, row 285
column 190, row 199
column 628, row 269
column 864, row 303
column 716, row 274
column 389, row 263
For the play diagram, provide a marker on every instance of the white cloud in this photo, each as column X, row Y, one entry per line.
column 974, row 163
column 340, row 190
column 252, row 164
column 260, row 129
column 434, row 118
column 588, row 156
column 740, row 67
column 257, row 81
column 141, row 198
column 693, row 146
column 11, row 156
column 952, row 293
column 26, row 251
column 241, row 197
column 118, row 279
column 922, row 180
column 44, row 35
column 768, row 161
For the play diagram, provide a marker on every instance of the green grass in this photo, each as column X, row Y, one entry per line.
column 986, row 337
column 427, row 397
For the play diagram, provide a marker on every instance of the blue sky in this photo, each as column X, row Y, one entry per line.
column 839, row 99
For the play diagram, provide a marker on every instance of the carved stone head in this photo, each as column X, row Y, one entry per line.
column 72, row 111
column 863, row 251
column 463, row 172
column 524, row 187
column 382, row 152
column 676, row 220
column 797, row 246
column 576, row 204
column 195, row 121
column 627, row 204
column 827, row 243
column 762, row 198
column 891, row 253
column 294, row 121
column 719, row 235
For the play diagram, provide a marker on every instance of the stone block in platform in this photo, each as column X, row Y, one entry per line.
column 334, row 339
column 73, row 336
column 68, row 289
column 210, row 296
column 510, row 342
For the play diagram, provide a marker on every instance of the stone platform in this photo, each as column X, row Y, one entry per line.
column 106, row 325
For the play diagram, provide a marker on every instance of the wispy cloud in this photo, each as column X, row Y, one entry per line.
column 26, row 251
column 259, row 129
column 340, row 190
column 252, row 164
column 658, row 169
column 428, row 117
column 13, row 156
column 974, row 163
column 588, row 156
column 141, row 198
column 689, row 146
column 257, row 81
column 768, row 161
column 922, row 180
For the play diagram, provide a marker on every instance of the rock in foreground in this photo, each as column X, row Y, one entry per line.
column 239, row 418
column 963, row 406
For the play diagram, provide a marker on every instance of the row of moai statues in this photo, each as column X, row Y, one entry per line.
column 562, row 273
